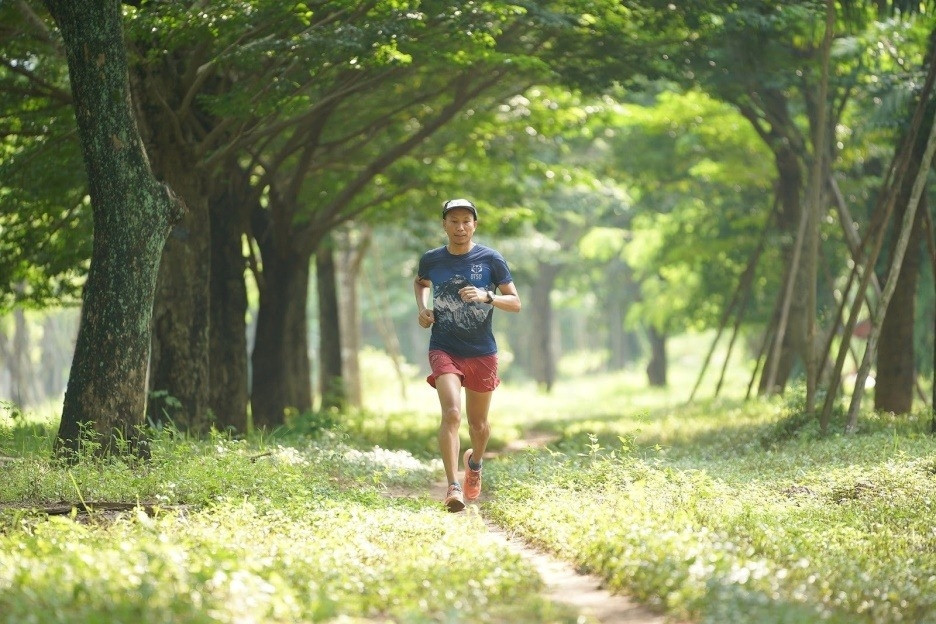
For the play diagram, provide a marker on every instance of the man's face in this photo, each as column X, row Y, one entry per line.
column 459, row 224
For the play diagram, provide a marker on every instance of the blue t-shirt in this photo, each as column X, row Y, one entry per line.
column 462, row 328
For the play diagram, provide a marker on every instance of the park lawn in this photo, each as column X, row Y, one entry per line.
column 246, row 532
column 719, row 511
column 725, row 510
column 737, row 512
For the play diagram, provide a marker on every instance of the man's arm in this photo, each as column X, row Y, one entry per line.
column 508, row 300
column 422, row 288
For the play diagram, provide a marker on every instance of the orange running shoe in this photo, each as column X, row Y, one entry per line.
column 454, row 499
column 472, row 479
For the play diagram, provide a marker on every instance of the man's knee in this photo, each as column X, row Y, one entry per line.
column 451, row 416
column 479, row 425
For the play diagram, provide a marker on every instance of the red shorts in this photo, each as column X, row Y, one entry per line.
column 476, row 373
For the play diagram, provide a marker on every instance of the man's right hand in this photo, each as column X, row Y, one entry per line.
column 426, row 317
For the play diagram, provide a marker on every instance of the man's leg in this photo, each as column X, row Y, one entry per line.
column 478, row 404
column 449, row 387
column 480, row 431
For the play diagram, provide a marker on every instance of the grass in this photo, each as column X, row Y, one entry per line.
column 252, row 532
column 810, row 530
column 720, row 511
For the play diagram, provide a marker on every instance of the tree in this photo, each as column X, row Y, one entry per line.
column 698, row 179
column 315, row 104
column 132, row 216
column 249, row 88
column 766, row 59
column 336, row 165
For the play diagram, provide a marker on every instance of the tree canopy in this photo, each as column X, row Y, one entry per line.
column 682, row 144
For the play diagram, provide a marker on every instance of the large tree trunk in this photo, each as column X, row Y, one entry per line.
column 894, row 384
column 918, row 170
column 132, row 214
column 896, row 375
column 227, row 334
column 280, row 360
column 930, row 237
column 179, row 366
column 331, row 385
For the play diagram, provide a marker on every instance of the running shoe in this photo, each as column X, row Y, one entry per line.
column 472, row 479
column 454, row 499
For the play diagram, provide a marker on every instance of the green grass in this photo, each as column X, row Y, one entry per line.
column 720, row 511
column 724, row 510
column 251, row 532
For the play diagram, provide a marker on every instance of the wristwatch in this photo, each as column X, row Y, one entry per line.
column 490, row 297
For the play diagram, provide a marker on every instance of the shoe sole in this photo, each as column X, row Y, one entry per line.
column 454, row 505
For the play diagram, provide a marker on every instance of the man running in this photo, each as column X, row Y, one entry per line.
column 464, row 279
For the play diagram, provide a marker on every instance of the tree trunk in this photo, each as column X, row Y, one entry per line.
column 542, row 342
column 227, row 334
column 616, row 301
column 893, row 388
column 331, row 385
column 521, row 335
column 784, row 140
column 132, row 215
column 179, row 366
column 918, row 171
column 282, row 376
column 21, row 367
column 353, row 246
column 930, row 236
column 781, row 358
column 814, row 206
column 657, row 367
column 55, row 349
column 5, row 386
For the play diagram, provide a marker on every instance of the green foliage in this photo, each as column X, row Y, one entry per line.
column 703, row 177
column 45, row 218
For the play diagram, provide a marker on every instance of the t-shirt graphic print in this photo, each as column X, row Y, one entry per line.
column 463, row 328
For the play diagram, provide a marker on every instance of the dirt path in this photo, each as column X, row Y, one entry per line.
column 564, row 585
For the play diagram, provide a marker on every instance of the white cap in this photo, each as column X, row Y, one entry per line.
column 459, row 203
